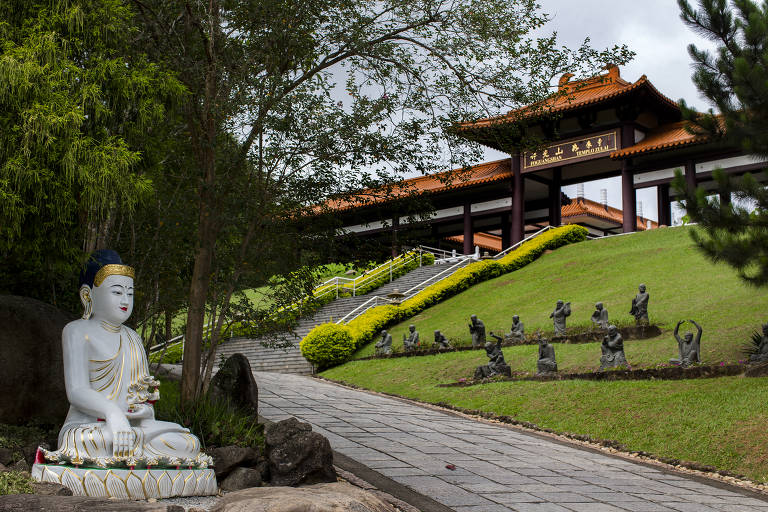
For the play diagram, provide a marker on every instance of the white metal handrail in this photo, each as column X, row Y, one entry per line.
column 521, row 242
column 179, row 339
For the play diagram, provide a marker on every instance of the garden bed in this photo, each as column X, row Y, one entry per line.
column 660, row 373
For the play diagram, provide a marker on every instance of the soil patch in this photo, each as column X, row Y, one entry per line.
column 664, row 373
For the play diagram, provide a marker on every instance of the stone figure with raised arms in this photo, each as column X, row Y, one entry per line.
column 689, row 347
column 111, row 421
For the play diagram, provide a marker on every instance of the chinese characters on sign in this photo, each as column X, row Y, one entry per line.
column 572, row 150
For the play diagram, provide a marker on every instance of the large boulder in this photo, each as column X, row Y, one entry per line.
column 235, row 382
column 296, row 455
column 31, row 364
column 314, row 498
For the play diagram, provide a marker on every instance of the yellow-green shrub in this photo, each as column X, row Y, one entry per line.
column 327, row 345
column 366, row 326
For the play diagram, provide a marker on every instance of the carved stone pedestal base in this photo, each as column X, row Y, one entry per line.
column 129, row 483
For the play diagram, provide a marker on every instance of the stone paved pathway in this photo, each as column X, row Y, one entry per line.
column 497, row 468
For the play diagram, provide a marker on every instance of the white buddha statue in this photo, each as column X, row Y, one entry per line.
column 111, row 420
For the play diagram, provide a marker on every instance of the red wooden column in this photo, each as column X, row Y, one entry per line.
column 628, row 198
column 690, row 174
column 469, row 235
column 518, row 202
column 664, row 205
column 505, row 230
column 555, row 203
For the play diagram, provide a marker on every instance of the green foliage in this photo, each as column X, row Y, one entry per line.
column 734, row 79
column 15, row 482
column 76, row 113
column 215, row 423
column 17, row 437
column 328, row 345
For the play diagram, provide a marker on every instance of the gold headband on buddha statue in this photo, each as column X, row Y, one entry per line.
column 112, row 270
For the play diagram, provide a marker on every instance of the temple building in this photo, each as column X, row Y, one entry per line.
column 596, row 128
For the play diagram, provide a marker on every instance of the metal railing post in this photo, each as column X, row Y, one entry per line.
column 390, row 271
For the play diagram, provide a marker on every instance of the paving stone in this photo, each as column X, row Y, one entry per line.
column 497, row 467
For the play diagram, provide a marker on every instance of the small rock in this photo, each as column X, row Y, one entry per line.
column 21, row 465
column 350, row 272
column 3, row 468
column 50, row 489
column 226, row 458
column 241, row 478
column 325, row 497
column 6, row 456
column 297, row 455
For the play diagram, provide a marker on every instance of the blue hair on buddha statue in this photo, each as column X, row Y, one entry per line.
column 103, row 263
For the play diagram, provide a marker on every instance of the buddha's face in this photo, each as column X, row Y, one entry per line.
column 113, row 299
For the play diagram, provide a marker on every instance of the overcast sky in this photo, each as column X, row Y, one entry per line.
column 654, row 31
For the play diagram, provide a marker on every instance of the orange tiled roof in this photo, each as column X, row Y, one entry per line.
column 487, row 172
column 482, row 240
column 583, row 206
column 664, row 137
column 572, row 95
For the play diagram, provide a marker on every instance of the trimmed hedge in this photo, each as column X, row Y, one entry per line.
column 327, row 345
column 365, row 327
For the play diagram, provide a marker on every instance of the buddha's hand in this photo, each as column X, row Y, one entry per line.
column 122, row 435
column 140, row 412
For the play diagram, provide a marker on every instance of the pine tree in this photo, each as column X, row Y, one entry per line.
column 734, row 78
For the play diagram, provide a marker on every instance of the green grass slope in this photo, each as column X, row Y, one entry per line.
column 682, row 284
column 711, row 421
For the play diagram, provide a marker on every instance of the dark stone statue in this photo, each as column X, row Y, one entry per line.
column 477, row 330
column 384, row 346
column 558, row 316
column 496, row 364
column 518, row 330
column 412, row 341
column 640, row 306
column 761, row 342
column 600, row 316
column 440, row 341
column 612, row 349
column 689, row 347
column 546, row 362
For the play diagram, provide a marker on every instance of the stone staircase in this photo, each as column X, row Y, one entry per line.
column 290, row 360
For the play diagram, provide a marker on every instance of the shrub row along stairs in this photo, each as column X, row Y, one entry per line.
column 290, row 360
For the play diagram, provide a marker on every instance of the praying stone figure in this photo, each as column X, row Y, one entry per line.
column 496, row 364
column 612, row 349
column 477, row 330
column 640, row 306
column 440, row 341
column 412, row 341
column 761, row 341
column 558, row 316
column 688, row 347
column 111, row 420
column 546, row 362
column 600, row 316
column 518, row 330
column 384, row 346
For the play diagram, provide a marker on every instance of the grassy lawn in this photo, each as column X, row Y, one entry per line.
column 720, row 422
column 682, row 284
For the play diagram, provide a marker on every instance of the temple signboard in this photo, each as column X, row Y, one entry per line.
column 571, row 151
